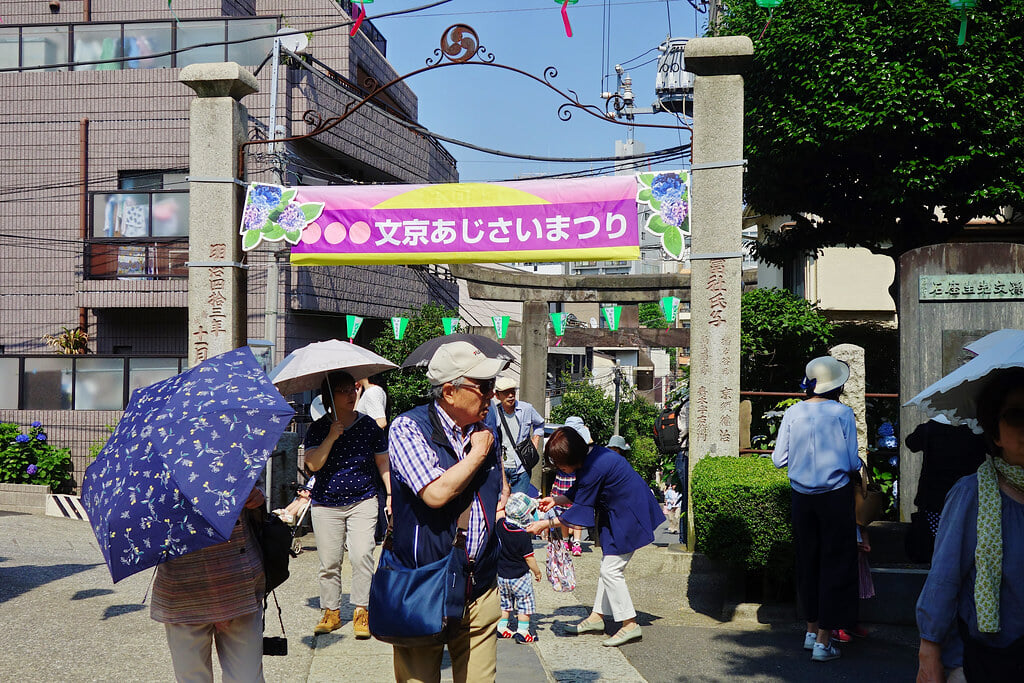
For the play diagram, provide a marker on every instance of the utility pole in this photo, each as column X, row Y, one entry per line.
column 273, row 270
column 617, row 372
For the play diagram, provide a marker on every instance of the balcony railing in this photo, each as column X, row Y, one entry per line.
column 50, row 45
column 138, row 235
column 79, row 382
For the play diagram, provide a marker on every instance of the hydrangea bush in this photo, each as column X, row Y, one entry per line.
column 29, row 458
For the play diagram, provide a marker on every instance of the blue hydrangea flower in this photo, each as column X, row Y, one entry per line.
column 265, row 195
column 292, row 218
column 667, row 186
column 37, row 423
column 674, row 211
column 888, row 442
column 255, row 216
column 21, row 438
column 31, row 469
column 893, row 461
column 886, row 429
column 41, row 437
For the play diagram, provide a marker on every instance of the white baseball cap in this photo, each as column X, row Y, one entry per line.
column 461, row 359
column 504, row 383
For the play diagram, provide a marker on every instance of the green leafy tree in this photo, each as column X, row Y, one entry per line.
column 779, row 333
column 868, row 125
column 652, row 316
column 636, row 420
column 409, row 388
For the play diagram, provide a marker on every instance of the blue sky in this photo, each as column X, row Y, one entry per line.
column 501, row 110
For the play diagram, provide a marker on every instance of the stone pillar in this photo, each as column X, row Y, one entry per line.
column 534, row 372
column 716, row 205
column 853, row 393
column 216, row 281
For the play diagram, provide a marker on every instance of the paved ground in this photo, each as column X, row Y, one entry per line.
column 63, row 619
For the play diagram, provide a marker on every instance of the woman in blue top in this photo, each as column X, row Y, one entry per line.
column 818, row 442
column 608, row 494
column 974, row 595
column 346, row 449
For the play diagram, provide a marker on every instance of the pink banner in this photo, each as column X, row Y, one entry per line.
column 532, row 220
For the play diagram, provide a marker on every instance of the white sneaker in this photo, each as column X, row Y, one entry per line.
column 824, row 653
column 809, row 640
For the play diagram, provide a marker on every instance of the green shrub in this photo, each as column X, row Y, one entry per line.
column 31, row 459
column 741, row 512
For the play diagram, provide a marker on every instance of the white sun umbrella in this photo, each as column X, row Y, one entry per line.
column 304, row 369
column 955, row 395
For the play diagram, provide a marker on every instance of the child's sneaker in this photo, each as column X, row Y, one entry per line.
column 841, row 635
column 506, row 633
column 824, row 653
column 809, row 640
column 577, row 550
column 525, row 637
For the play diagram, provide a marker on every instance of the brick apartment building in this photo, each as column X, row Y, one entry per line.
column 94, row 197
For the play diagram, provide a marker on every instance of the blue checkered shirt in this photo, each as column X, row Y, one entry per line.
column 415, row 464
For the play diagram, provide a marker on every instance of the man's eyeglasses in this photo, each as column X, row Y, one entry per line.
column 484, row 386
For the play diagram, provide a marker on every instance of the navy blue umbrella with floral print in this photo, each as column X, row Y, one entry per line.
column 178, row 468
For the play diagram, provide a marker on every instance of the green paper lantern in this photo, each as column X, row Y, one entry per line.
column 769, row 4
column 398, row 326
column 500, row 323
column 451, row 325
column 352, row 325
column 670, row 308
column 558, row 322
column 963, row 6
column 611, row 316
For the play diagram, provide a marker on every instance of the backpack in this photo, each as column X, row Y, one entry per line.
column 667, row 435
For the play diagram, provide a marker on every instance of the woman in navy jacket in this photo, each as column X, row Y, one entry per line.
column 608, row 494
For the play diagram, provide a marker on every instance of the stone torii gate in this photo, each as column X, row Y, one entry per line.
column 716, row 265
column 536, row 291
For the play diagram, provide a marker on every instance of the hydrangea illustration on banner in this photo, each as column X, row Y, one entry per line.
column 668, row 195
column 272, row 214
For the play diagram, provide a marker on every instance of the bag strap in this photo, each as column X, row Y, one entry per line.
column 515, row 446
column 462, row 525
column 278, row 605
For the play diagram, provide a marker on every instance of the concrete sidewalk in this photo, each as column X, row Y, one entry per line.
column 64, row 620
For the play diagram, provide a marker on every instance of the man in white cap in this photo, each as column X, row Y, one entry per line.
column 517, row 420
column 444, row 460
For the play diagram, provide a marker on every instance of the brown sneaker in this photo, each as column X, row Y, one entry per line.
column 361, row 623
column 329, row 621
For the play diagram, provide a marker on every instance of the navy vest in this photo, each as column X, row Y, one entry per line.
column 423, row 534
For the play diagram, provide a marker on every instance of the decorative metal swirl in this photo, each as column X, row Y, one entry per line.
column 313, row 118
column 616, row 102
column 370, row 83
column 459, row 44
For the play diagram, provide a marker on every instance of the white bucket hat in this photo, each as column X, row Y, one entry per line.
column 618, row 442
column 576, row 423
column 824, row 374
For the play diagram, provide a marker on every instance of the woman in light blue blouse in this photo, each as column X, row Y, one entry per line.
column 818, row 442
column 974, row 595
